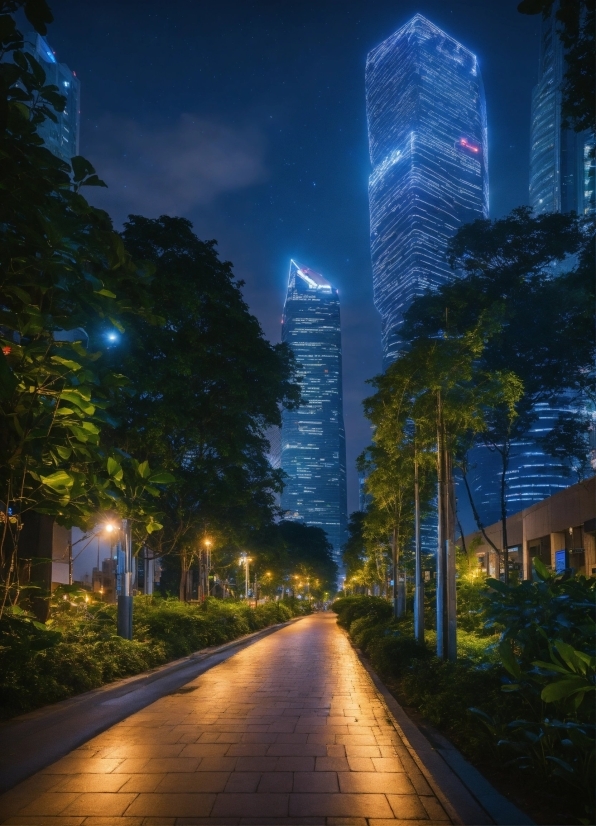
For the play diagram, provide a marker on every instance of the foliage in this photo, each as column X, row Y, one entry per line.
column 439, row 383
column 65, row 279
column 527, row 283
column 78, row 649
column 206, row 385
column 523, row 685
column 350, row 609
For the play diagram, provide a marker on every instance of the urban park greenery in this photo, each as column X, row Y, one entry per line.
column 520, row 697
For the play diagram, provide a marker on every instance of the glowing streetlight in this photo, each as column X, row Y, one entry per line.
column 124, row 617
column 244, row 560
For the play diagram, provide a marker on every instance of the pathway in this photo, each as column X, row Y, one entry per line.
column 288, row 731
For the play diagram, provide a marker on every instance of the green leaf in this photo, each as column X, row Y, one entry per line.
column 508, row 659
column 143, row 470
column 561, row 689
column 162, row 478
column 115, row 469
column 107, row 293
column 59, row 481
column 541, row 569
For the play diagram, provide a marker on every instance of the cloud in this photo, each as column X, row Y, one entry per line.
column 171, row 169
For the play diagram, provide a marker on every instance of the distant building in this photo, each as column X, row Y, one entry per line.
column 428, row 148
column 559, row 530
column 62, row 137
column 313, row 450
column 364, row 498
column 561, row 160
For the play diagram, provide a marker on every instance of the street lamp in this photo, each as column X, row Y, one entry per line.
column 124, row 617
column 244, row 560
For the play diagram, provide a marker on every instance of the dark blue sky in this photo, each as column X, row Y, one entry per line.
column 248, row 118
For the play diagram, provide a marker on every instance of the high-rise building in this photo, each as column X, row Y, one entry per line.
column 428, row 149
column 561, row 180
column 313, row 445
column 62, row 137
column 561, row 160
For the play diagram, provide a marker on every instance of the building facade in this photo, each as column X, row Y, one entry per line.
column 62, row 137
column 559, row 530
column 428, row 149
column 561, row 160
column 561, row 180
column 313, row 449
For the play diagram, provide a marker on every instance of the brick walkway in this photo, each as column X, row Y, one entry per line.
column 288, row 731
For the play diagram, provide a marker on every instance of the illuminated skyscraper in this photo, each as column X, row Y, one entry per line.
column 428, row 149
column 62, row 137
column 313, row 445
column 561, row 160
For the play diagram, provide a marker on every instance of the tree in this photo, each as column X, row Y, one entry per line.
column 310, row 554
column 576, row 29
column 541, row 320
column 205, row 386
column 63, row 273
column 354, row 550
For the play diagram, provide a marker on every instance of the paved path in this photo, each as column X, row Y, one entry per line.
column 288, row 731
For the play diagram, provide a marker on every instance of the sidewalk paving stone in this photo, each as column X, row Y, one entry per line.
column 289, row 731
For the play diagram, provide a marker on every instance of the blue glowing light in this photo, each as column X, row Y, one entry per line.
column 428, row 149
column 313, row 450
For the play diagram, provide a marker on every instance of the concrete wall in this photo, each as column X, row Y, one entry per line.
column 562, row 521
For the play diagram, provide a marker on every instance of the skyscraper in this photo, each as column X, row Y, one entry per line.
column 62, row 137
column 428, row 149
column 313, row 445
column 561, row 160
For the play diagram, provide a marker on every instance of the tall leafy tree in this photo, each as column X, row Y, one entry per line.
column 205, row 387
column 531, row 279
column 64, row 275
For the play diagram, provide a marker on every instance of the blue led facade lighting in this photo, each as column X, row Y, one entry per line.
column 313, row 444
column 61, row 137
column 561, row 160
column 428, row 148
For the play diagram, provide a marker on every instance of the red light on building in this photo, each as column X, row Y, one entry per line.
column 464, row 143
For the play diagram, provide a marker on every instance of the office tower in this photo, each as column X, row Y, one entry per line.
column 62, row 137
column 561, row 160
column 428, row 149
column 561, row 180
column 313, row 449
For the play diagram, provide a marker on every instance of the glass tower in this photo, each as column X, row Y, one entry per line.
column 62, row 137
column 561, row 160
column 428, row 149
column 313, row 446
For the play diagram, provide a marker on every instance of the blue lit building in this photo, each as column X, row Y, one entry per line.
column 62, row 137
column 428, row 149
column 561, row 160
column 313, row 448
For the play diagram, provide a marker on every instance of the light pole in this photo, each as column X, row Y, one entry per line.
column 124, row 617
column 244, row 560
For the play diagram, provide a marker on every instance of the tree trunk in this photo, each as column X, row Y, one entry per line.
column 505, row 456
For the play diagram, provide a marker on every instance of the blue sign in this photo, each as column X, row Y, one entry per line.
column 561, row 561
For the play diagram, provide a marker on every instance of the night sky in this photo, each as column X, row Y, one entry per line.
column 249, row 119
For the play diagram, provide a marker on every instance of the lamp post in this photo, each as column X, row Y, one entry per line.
column 244, row 560
column 124, row 617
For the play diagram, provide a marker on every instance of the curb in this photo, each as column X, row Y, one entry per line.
column 32, row 741
column 466, row 795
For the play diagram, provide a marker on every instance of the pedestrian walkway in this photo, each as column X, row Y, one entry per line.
column 288, row 731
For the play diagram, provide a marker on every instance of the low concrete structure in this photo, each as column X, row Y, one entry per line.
column 563, row 522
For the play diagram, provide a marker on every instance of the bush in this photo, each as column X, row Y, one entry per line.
column 349, row 609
